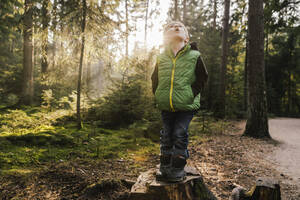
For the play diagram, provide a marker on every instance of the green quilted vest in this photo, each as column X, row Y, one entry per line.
column 175, row 77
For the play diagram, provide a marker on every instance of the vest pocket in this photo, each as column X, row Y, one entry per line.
column 183, row 97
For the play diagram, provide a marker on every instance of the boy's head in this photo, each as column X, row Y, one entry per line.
column 175, row 31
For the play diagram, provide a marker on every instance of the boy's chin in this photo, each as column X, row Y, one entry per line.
column 177, row 38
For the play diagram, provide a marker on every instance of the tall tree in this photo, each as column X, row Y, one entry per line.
column 184, row 12
column 245, row 103
column 83, row 23
column 45, row 23
column 215, row 14
column 127, row 29
column 176, row 12
column 53, row 29
column 146, row 23
column 28, row 88
column 257, row 122
column 221, row 97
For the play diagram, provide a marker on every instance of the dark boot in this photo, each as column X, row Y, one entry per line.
column 164, row 168
column 177, row 172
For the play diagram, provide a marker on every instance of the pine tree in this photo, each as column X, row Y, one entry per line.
column 28, row 90
column 83, row 24
column 221, row 96
column 257, row 122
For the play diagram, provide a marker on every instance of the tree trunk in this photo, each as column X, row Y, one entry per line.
column 257, row 122
column 264, row 189
column 176, row 15
column 45, row 22
column 215, row 15
column 193, row 187
column 80, row 64
column 221, row 104
column 146, row 24
column 54, row 24
column 127, row 31
column 184, row 12
column 89, row 76
column 245, row 76
column 28, row 88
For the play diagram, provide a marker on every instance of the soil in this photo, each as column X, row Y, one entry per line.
column 225, row 160
column 230, row 159
column 286, row 158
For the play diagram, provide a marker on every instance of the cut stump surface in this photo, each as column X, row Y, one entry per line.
column 192, row 188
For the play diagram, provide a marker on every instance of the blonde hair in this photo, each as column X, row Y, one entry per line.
column 167, row 26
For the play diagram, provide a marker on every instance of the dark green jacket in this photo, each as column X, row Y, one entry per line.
column 178, row 80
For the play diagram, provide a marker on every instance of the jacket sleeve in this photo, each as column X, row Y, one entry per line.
column 201, row 77
column 154, row 78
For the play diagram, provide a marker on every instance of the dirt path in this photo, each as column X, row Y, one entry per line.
column 287, row 156
column 228, row 159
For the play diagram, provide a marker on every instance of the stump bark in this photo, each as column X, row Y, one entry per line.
column 264, row 189
column 192, row 188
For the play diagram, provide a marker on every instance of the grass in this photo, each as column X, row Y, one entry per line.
column 26, row 144
column 31, row 138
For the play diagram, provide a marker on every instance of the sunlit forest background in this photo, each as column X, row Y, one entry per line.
column 75, row 76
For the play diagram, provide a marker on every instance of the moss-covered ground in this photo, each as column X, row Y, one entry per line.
column 38, row 144
column 30, row 138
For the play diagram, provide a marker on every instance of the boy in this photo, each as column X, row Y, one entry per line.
column 178, row 78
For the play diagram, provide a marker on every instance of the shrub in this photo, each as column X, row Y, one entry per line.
column 130, row 99
column 48, row 100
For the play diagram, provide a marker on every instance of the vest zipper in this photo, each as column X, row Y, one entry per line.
column 172, row 80
column 172, row 77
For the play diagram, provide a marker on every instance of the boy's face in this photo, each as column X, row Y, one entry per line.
column 176, row 32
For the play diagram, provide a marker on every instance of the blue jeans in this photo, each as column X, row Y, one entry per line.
column 174, row 136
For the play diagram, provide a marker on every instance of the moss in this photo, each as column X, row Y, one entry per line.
column 105, row 187
column 35, row 144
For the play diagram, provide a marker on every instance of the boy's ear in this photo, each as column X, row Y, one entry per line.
column 186, row 40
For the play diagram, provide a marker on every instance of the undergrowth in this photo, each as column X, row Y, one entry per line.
column 33, row 137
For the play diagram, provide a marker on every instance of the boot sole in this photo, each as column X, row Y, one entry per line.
column 168, row 179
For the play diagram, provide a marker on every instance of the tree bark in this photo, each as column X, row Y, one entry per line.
column 176, row 14
column 45, row 22
column 146, row 24
column 221, row 104
column 193, row 187
column 28, row 87
column 264, row 189
column 54, row 24
column 80, row 64
column 127, row 31
column 245, row 76
column 184, row 12
column 257, row 122
column 215, row 15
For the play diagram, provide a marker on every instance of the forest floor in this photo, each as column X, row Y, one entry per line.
column 224, row 158
column 287, row 157
column 230, row 158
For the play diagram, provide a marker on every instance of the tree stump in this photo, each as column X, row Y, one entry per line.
column 192, row 188
column 264, row 189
